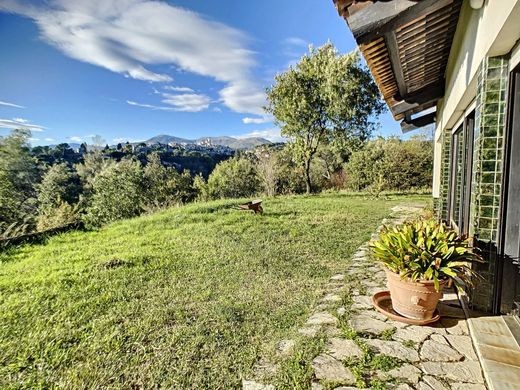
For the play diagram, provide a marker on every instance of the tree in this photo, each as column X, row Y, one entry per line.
column 234, row 178
column 326, row 96
column 83, row 149
column 117, row 193
column 164, row 185
column 58, row 196
column 267, row 167
column 18, row 175
column 58, row 184
column 97, row 140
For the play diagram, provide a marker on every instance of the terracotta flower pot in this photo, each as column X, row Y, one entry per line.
column 417, row 300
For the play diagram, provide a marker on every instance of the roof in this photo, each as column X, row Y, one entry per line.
column 406, row 44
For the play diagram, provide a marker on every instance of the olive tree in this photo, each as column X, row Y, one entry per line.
column 324, row 97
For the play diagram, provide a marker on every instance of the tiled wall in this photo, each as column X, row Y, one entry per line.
column 490, row 117
column 442, row 202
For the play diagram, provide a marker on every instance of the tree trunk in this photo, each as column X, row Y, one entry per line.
column 308, row 176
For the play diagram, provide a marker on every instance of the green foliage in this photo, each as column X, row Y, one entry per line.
column 18, row 174
column 59, row 183
column 201, row 188
column 325, row 97
column 426, row 250
column 118, row 191
column 57, row 193
column 164, row 186
column 268, row 169
column 391, row 164
column 60, row 214
column 234, row 178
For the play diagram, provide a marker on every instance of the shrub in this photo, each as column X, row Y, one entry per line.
column 234, row 178
column 164, row 186
column 59, row 190
column 62, row 214
column 391, row 164
column 118, row 192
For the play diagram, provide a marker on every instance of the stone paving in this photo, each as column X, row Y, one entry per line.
column 364, row 349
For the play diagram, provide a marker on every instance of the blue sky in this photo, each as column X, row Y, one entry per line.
column 132, row 69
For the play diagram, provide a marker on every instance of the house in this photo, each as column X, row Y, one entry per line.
column 456, row 64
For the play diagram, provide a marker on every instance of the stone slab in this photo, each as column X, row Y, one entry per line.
column 394, row 349
column 329, row 369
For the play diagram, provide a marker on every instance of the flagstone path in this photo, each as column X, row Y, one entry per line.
column 364, row 349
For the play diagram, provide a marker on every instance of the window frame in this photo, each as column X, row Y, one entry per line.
column 464, row 128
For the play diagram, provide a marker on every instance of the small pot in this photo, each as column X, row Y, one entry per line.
column 417, row 300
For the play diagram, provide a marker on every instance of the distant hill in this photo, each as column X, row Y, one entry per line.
column 166, row 139
column 231, row 142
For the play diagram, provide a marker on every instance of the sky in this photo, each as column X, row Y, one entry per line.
column 132, row 69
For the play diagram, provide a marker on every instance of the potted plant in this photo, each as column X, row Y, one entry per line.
column 420, row 258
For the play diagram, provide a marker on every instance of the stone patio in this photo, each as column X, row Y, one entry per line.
column 364, row 349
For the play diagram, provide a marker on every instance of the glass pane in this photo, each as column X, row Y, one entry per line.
column 458, row 183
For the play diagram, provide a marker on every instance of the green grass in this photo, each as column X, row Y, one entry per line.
column 187, row 298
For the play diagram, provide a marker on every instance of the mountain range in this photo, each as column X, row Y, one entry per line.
column 231, row 142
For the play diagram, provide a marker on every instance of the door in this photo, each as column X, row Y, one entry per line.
column 508, row 275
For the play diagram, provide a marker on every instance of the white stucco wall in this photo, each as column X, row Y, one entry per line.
column 491, row 31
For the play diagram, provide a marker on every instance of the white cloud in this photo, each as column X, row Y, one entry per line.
column 295, row 41
column 264, row 119
column 15, row 123
column 7, row 103
column 33, row 139
column 272, row 134
column 151, row 106
column 48, row 139
column 178, row 89
column 76, row 138
column 131, row 36
column 190, row 102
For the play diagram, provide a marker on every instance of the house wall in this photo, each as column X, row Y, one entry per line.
column 491, row 31
column 478, row 69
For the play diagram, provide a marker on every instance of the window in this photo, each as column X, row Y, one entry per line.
column 460, row 174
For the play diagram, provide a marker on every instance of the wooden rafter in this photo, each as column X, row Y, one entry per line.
column 406, row 44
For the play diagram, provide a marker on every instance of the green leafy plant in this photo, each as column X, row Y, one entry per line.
column 426, row 250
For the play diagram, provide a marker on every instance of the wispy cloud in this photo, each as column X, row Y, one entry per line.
column 272, row 134
column 190, row 102
column 48, row 139
column 178, row 89
column 19, row 123
column 7, row 103
column 150, row 106
column 296, row 41
column 264, row 119
column 130, row 37
column 76, row 138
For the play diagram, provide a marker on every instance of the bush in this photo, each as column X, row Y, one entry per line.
column 118, row 191
column 164, row 186
column 57, row 193
column 391, row 164
column 234, row 178
column 62, row 214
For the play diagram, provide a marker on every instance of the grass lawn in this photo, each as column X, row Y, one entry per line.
column 187, row 298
